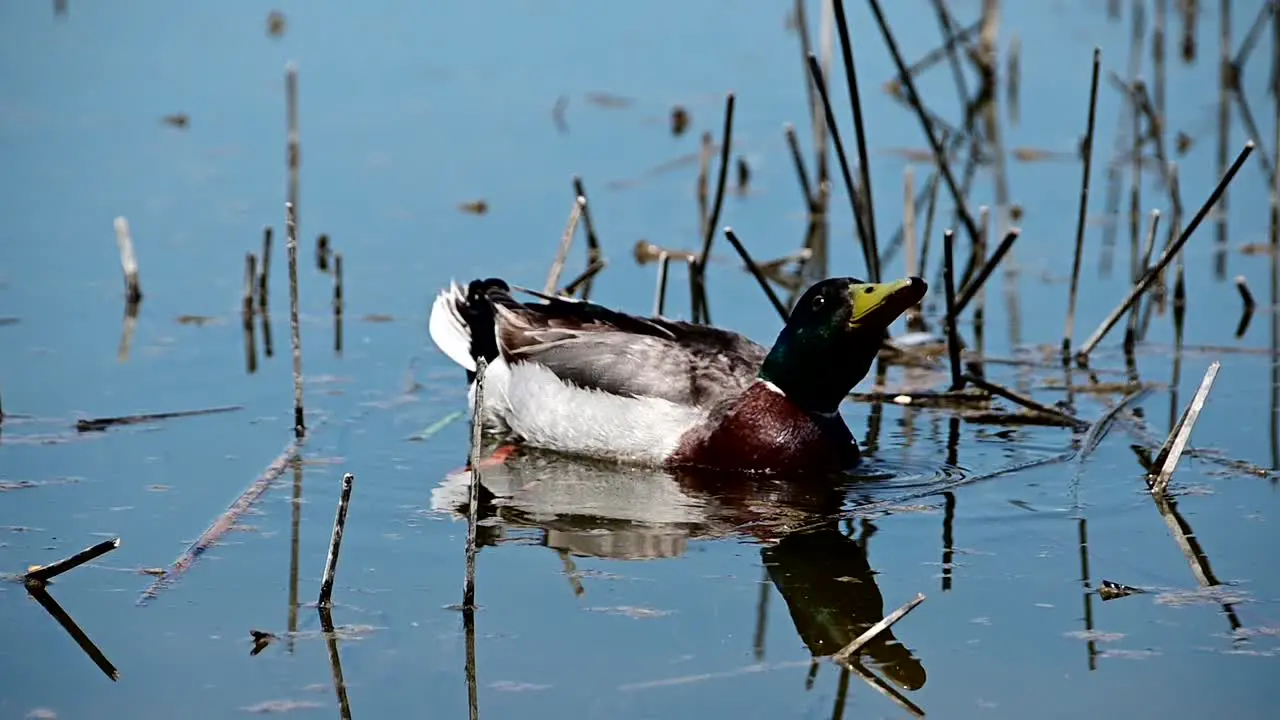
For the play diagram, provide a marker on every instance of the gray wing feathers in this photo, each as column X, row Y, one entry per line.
column 624, row 363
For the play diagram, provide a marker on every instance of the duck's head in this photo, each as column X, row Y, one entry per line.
column 832, row 337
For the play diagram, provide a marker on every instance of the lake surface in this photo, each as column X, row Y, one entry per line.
column 602, row 593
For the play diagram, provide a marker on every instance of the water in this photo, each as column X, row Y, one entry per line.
column 603, row 595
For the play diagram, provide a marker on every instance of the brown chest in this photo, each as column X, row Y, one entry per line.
column 763, row 431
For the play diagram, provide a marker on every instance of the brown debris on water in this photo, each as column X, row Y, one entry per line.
column 276, row 24
column 474, row 207
column 180, row 121
column 679, row 120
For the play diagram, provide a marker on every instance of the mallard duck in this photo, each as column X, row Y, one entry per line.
column 578, row 378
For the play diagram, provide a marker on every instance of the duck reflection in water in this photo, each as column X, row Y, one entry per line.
column 617, row 512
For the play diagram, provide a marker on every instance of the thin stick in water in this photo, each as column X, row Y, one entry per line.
column 295, row 327
column 473, row 496
column 264, row 277
column 246, row 313
column 1169, row 253
column 755, row 272
column 843, row 655
column 335, row 542
column 793, row 143
column 1027, row 402
column 1131, row 332
column 855, row 197
column 939, row 153
column 128, row 262
column 337, row 303
column 981, row 276
column 660, row 295
column 859, row 139
column 949, row 285
column 1086, row 149
column 697, row 271
column 566, row 240
column 44, row 573
column 1178, row 439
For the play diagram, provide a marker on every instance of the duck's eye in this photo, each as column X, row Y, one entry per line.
column 818, row 302
column 869, row 290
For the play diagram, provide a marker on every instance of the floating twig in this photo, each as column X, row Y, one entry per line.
column 335, row 542
column 843, row 655
column 128, row 262
column 949, row 287
column 1026, row 402
column 1174, row 446
column 755, row 272
column 1086, row 149
column 473, row 495
column 100, row 424
column 225, row 521
column 566, row 241
column 295, row 327
column 42, row 574
column 1165, row 258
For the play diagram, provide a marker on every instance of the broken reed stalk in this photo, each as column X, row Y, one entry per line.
column 914, row 319
column 979, row 279
column 337, row 303
column 859, row 139
column 593, row 241
column 793, row 143
column 755, row 272
column 939, row 153
column 44, row 573
column 250, row 279
column 566, row 240
column 1086, row 150
column 1026, row 402
column 855, row 197
column 697, row 270
column 660, row 295
column 1165, row 258
column 293, row 137
column 1131, row 332
column 128, row 262
column 473, row 494
column 264, row 276
column 1181, row 435
column 843, row 655
column 1245, row 295
column 246, row 313
column 335, row 542
column 949, row 286
column 583, row 281
column 295, row 327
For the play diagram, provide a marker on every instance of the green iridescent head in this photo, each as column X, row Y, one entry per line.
column 833, row 336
